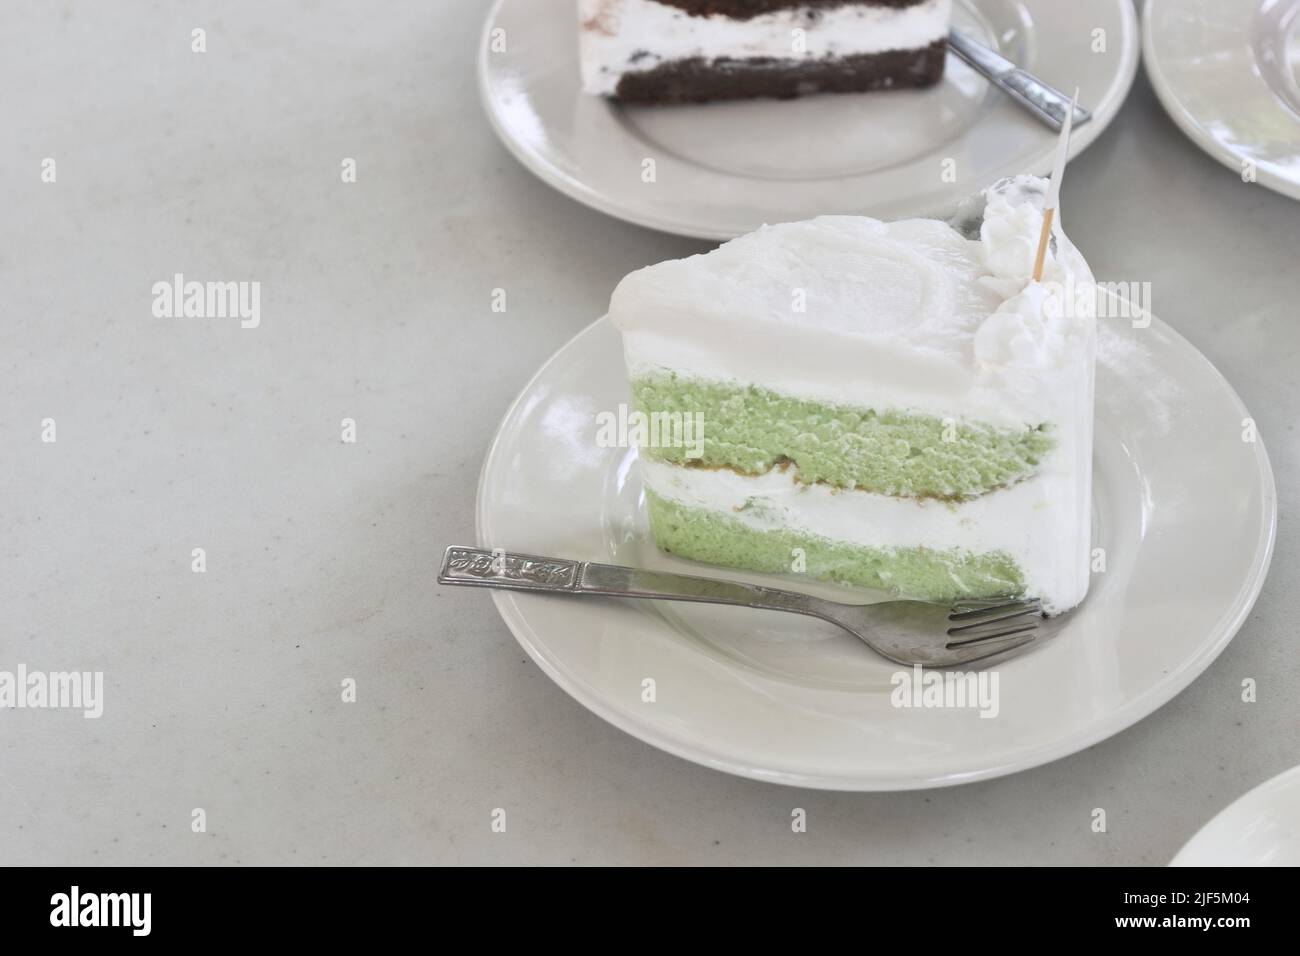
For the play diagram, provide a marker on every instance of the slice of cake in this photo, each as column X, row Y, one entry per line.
column 888, row 405
column 681, row 51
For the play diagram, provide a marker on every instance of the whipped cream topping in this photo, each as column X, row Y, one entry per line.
column 909, row 315
column 1009, row 236
column 1039, row 324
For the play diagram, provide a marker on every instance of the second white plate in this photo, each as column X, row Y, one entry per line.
column 724, row 169
column 1228, row 72
column 1260, row 829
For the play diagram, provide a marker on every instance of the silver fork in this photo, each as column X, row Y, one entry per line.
column 907, row 632
column 1046, row 102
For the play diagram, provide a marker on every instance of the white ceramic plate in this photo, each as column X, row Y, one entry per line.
column 724, row 169
column 1260, row 829
column 1228, row 72
column 1185, row 510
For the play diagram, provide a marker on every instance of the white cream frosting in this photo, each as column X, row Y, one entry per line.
column 909, row 316
column 626, row 36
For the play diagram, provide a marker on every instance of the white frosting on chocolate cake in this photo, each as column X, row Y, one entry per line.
column 628, row 36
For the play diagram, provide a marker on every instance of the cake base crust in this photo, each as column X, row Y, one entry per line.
column 698, row 80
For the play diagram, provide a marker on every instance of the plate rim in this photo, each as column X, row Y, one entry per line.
column 1192, row 128
column 1129, row 714
column 581, row 192
column 1185, row 855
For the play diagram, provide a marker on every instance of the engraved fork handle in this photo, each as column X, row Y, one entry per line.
column 506, row 570
column 1046, row 102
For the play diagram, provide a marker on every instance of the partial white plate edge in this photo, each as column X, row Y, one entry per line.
column 535, row 164
column 1193, row 848
column 1191, row 128
column 1119, row 720
column 1083, row 137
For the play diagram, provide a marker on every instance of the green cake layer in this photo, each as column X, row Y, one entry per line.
column 918, row 573
column 751, row 429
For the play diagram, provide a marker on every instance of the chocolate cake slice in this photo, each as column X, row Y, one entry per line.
column 691, row 51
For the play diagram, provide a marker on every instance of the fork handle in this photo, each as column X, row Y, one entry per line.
column 1043, row 100
column 509, row 571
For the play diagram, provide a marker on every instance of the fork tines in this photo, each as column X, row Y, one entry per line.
column 978, row 622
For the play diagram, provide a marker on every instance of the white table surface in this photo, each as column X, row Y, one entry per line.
column 222, row 689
